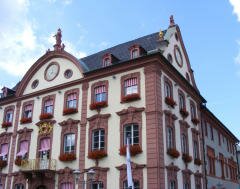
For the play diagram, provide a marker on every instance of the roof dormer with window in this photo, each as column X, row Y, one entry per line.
column 136, row 51
column 108, row 59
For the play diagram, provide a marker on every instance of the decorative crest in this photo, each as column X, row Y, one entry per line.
column 172, row 23
column 58, row 46
column 160, row 35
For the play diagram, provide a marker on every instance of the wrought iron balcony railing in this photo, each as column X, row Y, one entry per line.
column 38, row 164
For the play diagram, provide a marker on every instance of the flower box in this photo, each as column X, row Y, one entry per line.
column 131, row 97
column 97, row 154
column 67, row 157
column 195, row 121
column 134, row 150
column 184, row 112
column 6, row 124
column 197, row 161
column 186, row 158
column 173, row 152
column 169, row 101
column 26, row 120
column 18, row 161
column 45, row 116
column 67, row 111
column 98, row 105
column 3, row 163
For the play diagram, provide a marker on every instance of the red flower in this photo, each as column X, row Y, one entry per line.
column 173, row 152
column 97, row 154
column 184, row 112
column 6, row 124
column 26, row 120
column 169, row 101
column 197, row 161
column 45, row 116
column 98, row 105
column 18, row 161
column 3, row 163
column 67, row 111
column 67, row 157
column 131, row 97
column 195, row 121
column 186, row 158
column 134, row 150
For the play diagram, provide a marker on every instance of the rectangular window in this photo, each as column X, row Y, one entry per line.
column 169, row 138
column 98, row 185
column 27, row 111
column 212, row 137
column 44, row 148
column 98, row 142
column 131, row 132
column 23, row 149
column 195, row 149
column 69, row 143
column 135, row 53
column 48, row 106
column 135, row 184
column 131, row 86
column 19, row 186
column 100, row 93
column 4, row 151
column 72, row 100
column 9, row 116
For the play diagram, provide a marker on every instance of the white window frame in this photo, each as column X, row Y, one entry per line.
column 97, row 136
column 71, row 147
column 134, row 134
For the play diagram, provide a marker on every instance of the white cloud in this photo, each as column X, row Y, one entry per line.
column 236, row 7
column 237, row 58
column 69, row 47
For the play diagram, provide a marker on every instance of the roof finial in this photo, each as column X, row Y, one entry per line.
column 160, row 35
column 172, row 23
column 58, row 36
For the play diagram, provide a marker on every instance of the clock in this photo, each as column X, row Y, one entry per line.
column 51, row 71
column 178, row 56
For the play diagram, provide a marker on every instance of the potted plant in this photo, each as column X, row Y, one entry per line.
column 134, row 150
column 26, row 120
column 169, row 101
column 98, row 105
column 186, row 158
column 68, row 111
column 97, row 154
column 45, row 116
column 173, row 152
column 130, row 97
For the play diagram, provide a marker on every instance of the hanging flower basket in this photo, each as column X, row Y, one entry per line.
column 173, row 152
column 186, row 158
column 6, row 124
column 98, row 105
column 184, row 112
column 97, row 154
column 169, row 101
column 131, row 97
column 68, row 111
column 134, row 150
column 3, row 163
column 195, row 121
column 25, row 120
column 197, row 161
column 45, row 116
column 67, row 157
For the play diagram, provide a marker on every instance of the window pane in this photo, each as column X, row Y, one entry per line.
column 131, row 131
column 69, row 143
column 98, row 139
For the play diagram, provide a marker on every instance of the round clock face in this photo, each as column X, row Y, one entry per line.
column 178, row 56
column 51, row 71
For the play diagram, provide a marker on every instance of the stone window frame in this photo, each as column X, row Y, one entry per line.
column 195, row 138
column 98, row 84
column 186, row 176
column 181, row 93
column 167, row 81
column 99, row 121
column 27, row 103
column 170, row 119
column 42, row 136
column 65, row 176
column 211, row 158
column 5, row 138
column 3, row 180
column 172, row 171
column 198, row 179
column 68, row 92
column 129, row 76
column 137, row 173
column 184, row 126
column 128, row 116
column 46, row 98
column 70, row 126
column 7, row 109
column 19, row 178
column 100, row 175
column 24, row 135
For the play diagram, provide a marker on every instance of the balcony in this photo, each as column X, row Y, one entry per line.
column 38, row 164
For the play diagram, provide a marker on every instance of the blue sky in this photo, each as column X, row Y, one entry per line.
column 210, row 30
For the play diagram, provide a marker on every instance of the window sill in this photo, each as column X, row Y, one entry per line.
column 130, row 97
column 68, row 111
column 173, row 152
column 169, row 101
column 25, row 120
column 97, row 154
column 45, row 116
column 98, row 105
column 67, row 157
column 134, row 150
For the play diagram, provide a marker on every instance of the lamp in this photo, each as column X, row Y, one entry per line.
column 90, row 175
column 76, row 174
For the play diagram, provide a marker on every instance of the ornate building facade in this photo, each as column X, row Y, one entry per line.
column 71, row 114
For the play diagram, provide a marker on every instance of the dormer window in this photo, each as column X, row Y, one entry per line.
column 136, row 51
column 106, row 62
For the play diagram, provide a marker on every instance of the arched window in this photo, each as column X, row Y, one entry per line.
column 98, row 137
column 184, row 143
column 131, row 131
